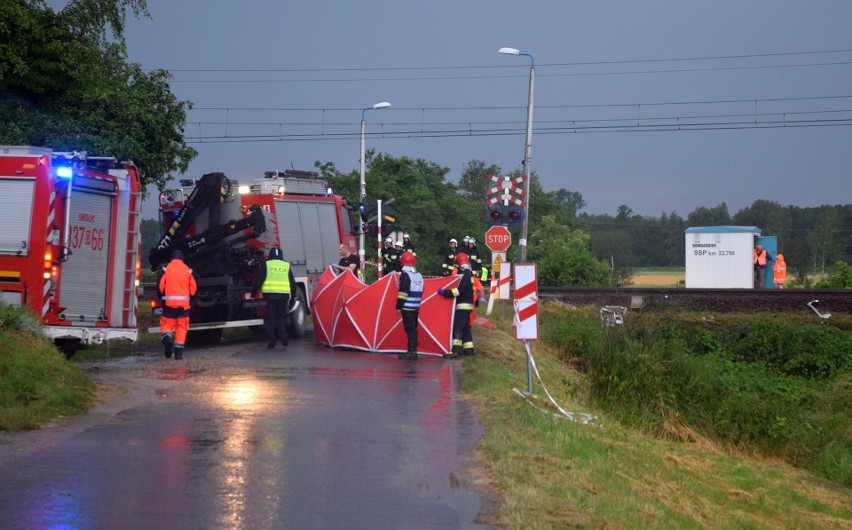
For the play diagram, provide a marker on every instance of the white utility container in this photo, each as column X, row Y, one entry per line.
column 720, row 257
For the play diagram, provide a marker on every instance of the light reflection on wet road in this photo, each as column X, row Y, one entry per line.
column 240, row 437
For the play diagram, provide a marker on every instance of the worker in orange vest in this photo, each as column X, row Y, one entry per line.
column 779, row 271
column 177, row 287
column 478, row 297
column 761, row 258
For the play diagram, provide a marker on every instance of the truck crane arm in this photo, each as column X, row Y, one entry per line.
column 219, row 236
column 208, row 191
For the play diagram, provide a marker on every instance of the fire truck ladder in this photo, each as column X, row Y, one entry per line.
column 129, row 309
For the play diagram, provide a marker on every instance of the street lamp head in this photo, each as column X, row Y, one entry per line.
column 382, row 105
column 509, row 51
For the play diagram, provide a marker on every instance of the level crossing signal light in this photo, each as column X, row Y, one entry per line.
column 500, row 214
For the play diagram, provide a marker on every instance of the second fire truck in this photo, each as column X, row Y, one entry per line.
column 225, row 230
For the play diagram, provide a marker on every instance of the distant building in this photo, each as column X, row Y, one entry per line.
column 720, row 257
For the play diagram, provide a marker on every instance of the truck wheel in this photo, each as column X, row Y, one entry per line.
column 297, row 317
column 68, row 347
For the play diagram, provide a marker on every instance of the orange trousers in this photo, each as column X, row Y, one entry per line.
column 177, row 325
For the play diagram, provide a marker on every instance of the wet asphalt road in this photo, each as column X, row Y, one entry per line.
column 238, row 436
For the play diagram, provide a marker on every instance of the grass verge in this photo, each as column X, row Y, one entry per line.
column 552, row 473
column 37, row 384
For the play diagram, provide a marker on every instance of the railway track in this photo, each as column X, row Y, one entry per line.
column 723, row 300
column 837, row 301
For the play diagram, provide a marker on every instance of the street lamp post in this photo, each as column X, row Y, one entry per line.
column 382, row 105
column 522, row 243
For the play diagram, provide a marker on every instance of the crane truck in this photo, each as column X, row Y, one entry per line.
column 70, row 243
column 225, row 230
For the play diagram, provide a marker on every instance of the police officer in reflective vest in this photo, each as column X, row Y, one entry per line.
column 176, row 287
column 276, row 283
column 408, row 301
column 462, row 337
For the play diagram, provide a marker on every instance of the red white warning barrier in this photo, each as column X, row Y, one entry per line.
column 526, row 302
column 505, row 282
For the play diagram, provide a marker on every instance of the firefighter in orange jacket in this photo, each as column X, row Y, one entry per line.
column 779, row 271
column 177, row 286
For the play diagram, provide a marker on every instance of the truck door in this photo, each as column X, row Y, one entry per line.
column 16, row 209
column 83, row 284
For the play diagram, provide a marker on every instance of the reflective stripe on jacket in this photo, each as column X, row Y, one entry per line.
column 177, row 284
column 759, row 259
column 410, row 290
column 277, row 277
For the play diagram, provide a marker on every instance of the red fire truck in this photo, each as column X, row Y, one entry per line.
column 70, row 242
column 225, row 230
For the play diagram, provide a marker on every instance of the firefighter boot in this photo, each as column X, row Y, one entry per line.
column 168, row 343
column 455, row 354
column 408, row 356
column 178, row 353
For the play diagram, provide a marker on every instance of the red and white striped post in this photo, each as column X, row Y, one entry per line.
column 526, row 311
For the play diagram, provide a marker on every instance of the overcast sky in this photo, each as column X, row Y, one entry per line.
column 660, row 105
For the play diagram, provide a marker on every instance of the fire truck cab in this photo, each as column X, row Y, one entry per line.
column 70, row 242
column 225, row 229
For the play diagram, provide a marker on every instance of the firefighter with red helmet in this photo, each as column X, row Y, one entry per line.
column 177, row 287
column 408, row 301
column 463, row 293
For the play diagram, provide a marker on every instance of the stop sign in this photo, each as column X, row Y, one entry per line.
column 498, row 238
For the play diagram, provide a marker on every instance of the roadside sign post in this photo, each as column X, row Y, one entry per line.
column 497, row 239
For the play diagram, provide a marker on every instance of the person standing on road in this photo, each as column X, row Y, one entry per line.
column 408, row 302
column 761, row 258
column 462, row 336
column 348, row 260
column 276, row 282
column 176, row 287
column 779, row 272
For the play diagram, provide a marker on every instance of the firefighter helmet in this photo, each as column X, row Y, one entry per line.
column 399, row 244
column 462, row 260
column 408, row 259
column 406, row 236
column 453, row 242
